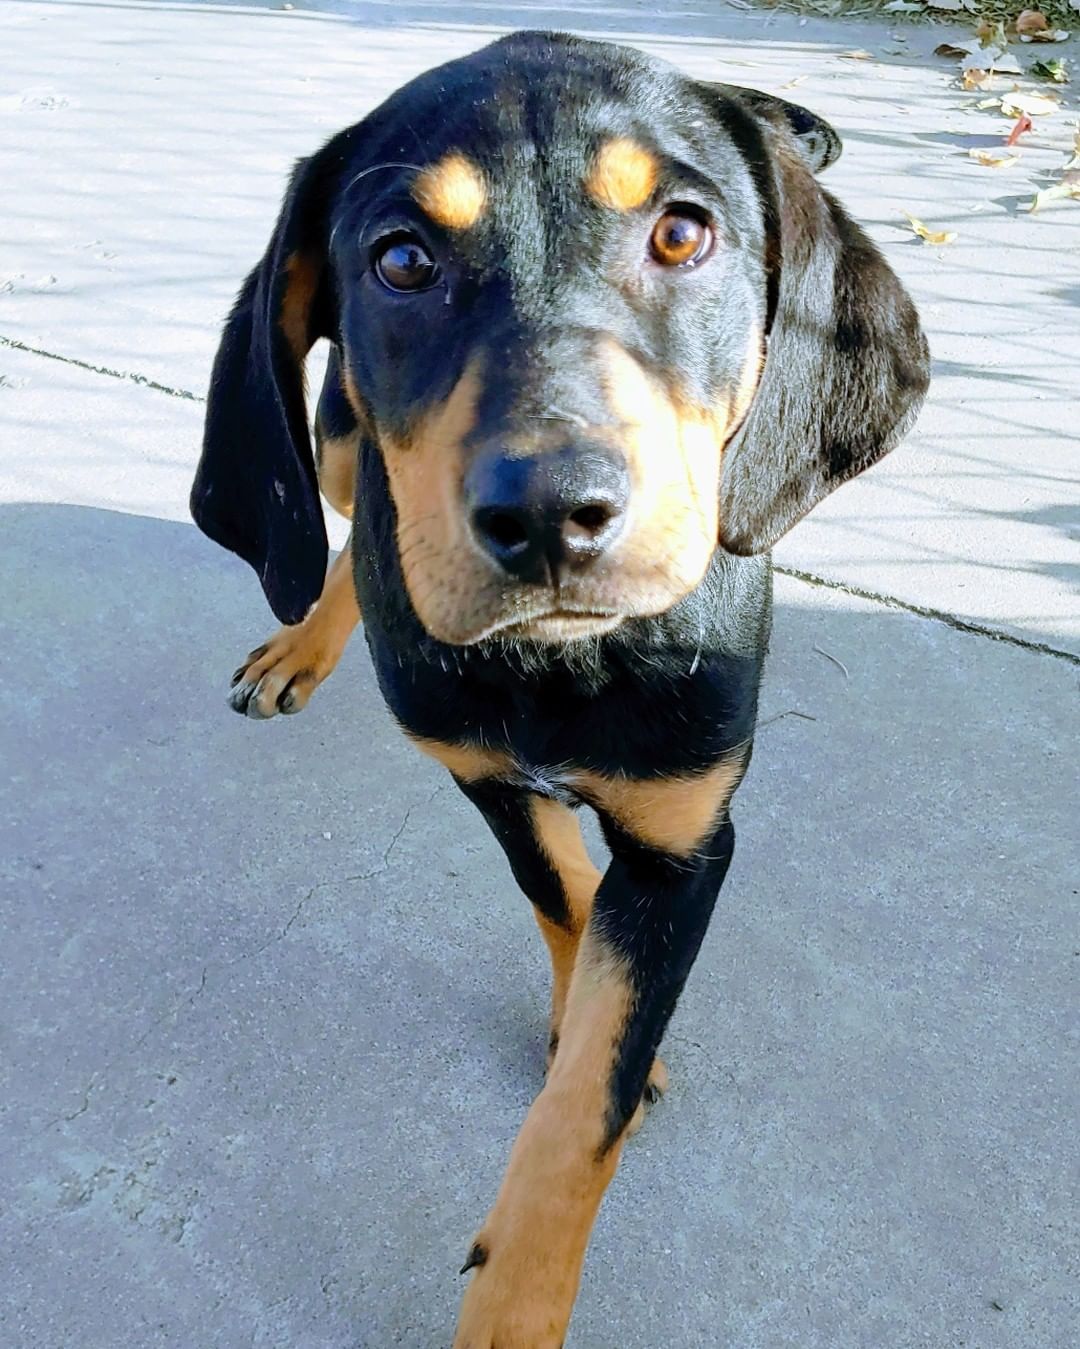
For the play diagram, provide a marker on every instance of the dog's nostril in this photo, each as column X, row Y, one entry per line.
column 504, row 529
column 593, row 517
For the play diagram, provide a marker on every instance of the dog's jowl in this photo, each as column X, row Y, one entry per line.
column 598, row 339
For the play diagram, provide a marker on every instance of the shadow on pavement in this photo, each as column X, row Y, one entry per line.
column 273, row 1009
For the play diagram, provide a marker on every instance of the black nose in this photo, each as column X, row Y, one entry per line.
column 551, row 513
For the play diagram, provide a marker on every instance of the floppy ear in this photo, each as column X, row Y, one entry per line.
column 846, row 364
column 818, row 142
column 256, row 490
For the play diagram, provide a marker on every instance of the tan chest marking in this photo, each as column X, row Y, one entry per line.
column 676, row 814
column 470, row 763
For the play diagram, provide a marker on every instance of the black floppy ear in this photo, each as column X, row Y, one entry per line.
column 846, row 364
column 256, row 490
column 818, row 142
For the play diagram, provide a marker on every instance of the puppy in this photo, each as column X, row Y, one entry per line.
column 598, row 339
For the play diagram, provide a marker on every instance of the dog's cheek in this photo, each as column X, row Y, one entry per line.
column 425, row 469
column 672, row 450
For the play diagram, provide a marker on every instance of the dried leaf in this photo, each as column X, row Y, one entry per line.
column 980, row 56
column 983, row 58
column 1035, row 105
column 928, row 235
column 1054, row 69
column 1074, row 161
column 794, row 83
column 1023, row 123
column 992, row 159
column 858, row 55
column 1046, row 35
column 977, row 79
column 991, row 33
column 1063, row 191
column 1031, row 21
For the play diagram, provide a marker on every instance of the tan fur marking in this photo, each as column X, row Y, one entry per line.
column 673, row 453
column 536, row 1234
column 452, row 192
column 337, row 458
column 425, row 472
column 301, row 281
column 559, row 835
column 673, row 814
column 623, row 175
column 470, row 763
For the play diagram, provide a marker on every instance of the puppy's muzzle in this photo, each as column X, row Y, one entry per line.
column 544, row 517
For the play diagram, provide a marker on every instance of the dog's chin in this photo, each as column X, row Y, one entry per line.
column 553, row 627
column 559, row 627
column 542, row 625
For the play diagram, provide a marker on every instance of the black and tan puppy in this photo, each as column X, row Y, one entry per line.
column 598, row 340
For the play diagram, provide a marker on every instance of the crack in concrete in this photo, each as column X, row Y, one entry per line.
column 99, row 1073
column 935, row 615
column 129, row 375
column 96, row 1078
column 345, row 880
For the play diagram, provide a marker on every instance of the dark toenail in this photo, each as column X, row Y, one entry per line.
column 238, row 699
column 476, row 1257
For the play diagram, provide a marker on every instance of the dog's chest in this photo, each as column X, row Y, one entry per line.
column 557, row 782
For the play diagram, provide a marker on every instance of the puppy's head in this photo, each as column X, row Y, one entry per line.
column 595, row 318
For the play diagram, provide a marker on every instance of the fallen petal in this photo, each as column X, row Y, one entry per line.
column 992, row 159
column 1023, row 123
column 928, row 235
column 1035, row 105
column 1056, row 192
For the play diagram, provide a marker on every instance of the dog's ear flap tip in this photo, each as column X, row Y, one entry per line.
column 290, row 604
column 291, row 580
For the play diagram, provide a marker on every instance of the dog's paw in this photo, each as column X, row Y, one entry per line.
column 281, row 675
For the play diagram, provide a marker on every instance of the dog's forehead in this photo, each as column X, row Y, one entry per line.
column 535, row 108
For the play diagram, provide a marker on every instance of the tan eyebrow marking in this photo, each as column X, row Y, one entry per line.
column 452, row 192
column 623, row 174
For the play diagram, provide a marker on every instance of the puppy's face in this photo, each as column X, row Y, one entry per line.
column 551, row 296
column 551, row 270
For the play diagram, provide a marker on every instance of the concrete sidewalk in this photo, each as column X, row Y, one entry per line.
column 271, row 1007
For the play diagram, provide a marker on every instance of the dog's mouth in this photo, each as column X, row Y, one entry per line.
column 558, row 624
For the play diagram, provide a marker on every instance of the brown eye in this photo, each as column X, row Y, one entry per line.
column 679, row 240
column 405, row 265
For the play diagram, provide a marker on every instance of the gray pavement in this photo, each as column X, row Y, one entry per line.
column 271, row 1009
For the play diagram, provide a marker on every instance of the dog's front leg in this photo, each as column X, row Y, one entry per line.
column 648, row 919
